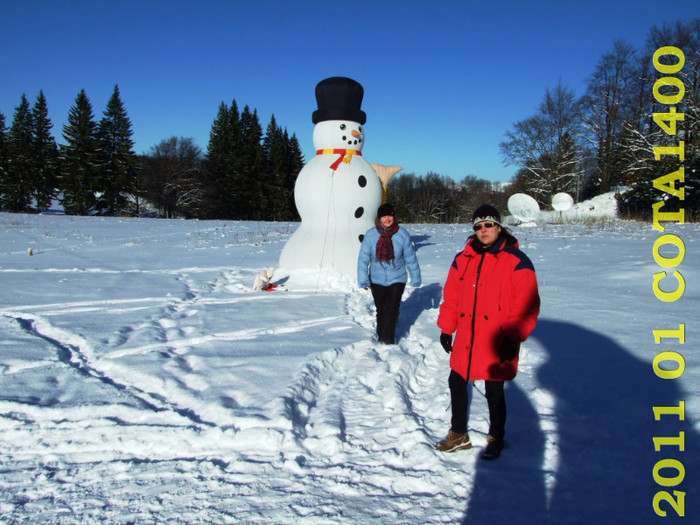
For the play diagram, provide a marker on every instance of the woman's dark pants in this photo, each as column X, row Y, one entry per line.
column 387, row 299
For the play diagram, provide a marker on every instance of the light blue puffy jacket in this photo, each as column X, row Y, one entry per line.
column 369, row 269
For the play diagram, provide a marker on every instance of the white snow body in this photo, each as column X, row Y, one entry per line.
column 337, row 194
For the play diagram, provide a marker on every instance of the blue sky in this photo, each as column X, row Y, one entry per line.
column 444, row 80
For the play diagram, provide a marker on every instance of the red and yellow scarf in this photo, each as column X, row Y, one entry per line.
column 345, row 155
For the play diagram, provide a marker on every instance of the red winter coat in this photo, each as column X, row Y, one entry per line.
column 491, row 299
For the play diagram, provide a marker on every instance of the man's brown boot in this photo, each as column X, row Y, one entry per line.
column 454, row 442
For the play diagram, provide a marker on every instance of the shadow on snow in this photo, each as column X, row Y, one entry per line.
column 603, row 440
column 421, row 299
column 420, row 241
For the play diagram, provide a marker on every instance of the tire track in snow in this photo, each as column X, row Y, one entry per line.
column 182, row 343
column 79, row 354
column 74, row 351
column 176, row 337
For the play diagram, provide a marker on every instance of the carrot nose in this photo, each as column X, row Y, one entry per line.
column 355, row 133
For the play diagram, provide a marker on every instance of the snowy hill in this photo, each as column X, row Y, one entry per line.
column 143, row 381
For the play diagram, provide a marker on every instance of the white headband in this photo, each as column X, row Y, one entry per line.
column 489, row 218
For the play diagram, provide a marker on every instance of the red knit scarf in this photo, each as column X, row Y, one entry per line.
column 385, row 248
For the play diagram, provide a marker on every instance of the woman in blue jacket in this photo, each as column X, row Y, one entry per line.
column 385, row 254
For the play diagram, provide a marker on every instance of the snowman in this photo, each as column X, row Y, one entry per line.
column 337, row 192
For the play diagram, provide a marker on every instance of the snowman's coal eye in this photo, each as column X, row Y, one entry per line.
column 342, row 127
column 362, row 181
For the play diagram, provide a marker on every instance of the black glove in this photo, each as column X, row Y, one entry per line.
column 446, row 342
column 508, row 350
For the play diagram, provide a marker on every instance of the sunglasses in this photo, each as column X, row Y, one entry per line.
column 487, row 225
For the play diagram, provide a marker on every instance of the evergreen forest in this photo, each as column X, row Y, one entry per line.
column 634, row 131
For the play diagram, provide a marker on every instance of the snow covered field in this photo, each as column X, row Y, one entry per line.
column 143, row 381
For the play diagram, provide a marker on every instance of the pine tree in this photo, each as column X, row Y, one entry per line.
column 274, row 149
column 17, row 186
column 45, row 155
column 249, row 180
column 4, row 154
column 294, row 162
column 117, row 162
column 78, row 159
column 222, row 164
column 247, row 176
column 215, row 165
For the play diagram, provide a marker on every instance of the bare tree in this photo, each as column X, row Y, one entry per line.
column 438, row 199
column 608, row 106
column 171, row 177
column 547, row 145
column 666, row 123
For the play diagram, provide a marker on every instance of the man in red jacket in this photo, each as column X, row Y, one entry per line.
column 491, row 300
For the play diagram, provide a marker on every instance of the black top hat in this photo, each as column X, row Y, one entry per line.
column 339, row 98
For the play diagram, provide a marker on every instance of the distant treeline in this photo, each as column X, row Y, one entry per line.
column 244, row 175
column 636, row 102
